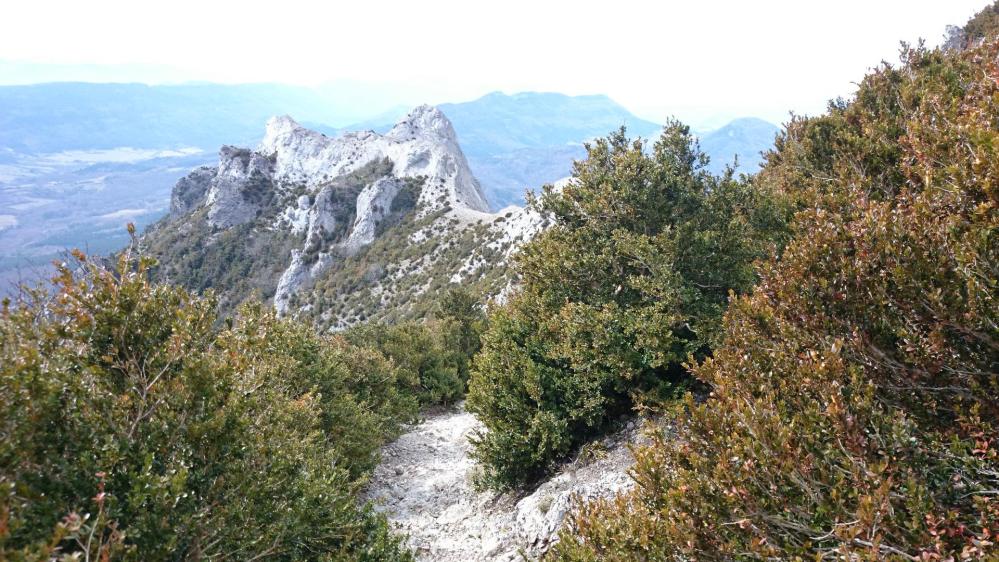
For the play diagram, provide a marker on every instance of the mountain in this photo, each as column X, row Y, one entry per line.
column 497, row 123
column 338, row 230
column 744, row 138
column 55, row 117
column 520, row 141
column 524, row 140
column 79, row 160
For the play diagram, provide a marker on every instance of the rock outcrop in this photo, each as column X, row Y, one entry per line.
column 317, row 201
column 423, row 144
column 239, row 188
column 190, row 191
column 424, row 486
column 374, row 205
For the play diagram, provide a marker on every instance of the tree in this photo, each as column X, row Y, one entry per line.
column 981, row 26
column 121, row 399
column 419, row 350
column 462, row 321
column 629, row 281
column 854, row 412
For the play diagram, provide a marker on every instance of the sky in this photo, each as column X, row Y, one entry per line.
column 704, row 61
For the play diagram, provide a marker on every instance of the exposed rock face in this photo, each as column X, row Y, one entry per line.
column 190, row 191
column 241, row 183
column 422, row 144
column 424, row 487
column 374, row 203
column 314, row 201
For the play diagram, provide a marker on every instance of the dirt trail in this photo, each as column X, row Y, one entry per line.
column 424, row 486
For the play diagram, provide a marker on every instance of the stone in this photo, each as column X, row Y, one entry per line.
column 447, row 520
column 288, row 184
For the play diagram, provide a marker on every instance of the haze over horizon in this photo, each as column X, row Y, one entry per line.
column 444, row 51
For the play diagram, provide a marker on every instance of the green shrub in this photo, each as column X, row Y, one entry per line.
column 434, row 354
column 854, row 412
column 417, row 349
column 982, row 25
column 183, row 441
column 631, row 278
column 462, row 321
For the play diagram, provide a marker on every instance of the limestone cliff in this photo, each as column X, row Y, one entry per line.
column 339, row 229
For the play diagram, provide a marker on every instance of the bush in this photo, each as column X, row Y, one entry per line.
column 462, row 321
column 855, row 404
column 631, row 278
column 434, row 354
column 982, row 25
column 184, row 441
column 416, row 348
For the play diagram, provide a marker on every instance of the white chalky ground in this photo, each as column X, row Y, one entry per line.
column 424, row 486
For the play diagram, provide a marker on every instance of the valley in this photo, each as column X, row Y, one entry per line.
column 50, row 203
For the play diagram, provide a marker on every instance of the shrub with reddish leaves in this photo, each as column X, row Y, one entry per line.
column 854, row 412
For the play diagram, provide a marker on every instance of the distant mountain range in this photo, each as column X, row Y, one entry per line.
column 743, row 139
column 513, row 142
column 78, row 160
column 522, row 141
column 497, row 122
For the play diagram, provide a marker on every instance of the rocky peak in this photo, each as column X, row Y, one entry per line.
column 423, row 144
column 278, row 130
column 425, row 121
column 314, row 201
column 240, row 182
column 190, row 191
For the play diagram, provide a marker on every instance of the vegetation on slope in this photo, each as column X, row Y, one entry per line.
column 854, row 412
column 246, row 261
column 982, row 25
column 134, row 429
column 630, row 280
column 405, row 273
column 436, row 351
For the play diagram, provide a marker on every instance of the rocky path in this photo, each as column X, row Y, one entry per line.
column 424, row 486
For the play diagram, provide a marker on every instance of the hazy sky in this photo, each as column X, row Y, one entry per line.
column 701, row 60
